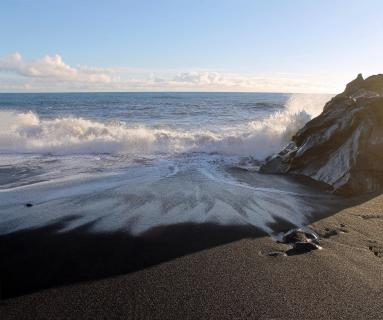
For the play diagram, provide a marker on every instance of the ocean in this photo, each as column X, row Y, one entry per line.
column 134, row 161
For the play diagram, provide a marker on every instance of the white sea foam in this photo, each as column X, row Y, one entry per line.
column 27, row 133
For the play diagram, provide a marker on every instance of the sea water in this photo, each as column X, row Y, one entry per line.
column 133, row 161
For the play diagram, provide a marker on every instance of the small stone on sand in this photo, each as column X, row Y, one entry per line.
column 277, row 254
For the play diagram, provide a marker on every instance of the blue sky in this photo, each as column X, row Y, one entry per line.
column 238, row 45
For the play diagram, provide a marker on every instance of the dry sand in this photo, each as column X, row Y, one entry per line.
column 239, row 281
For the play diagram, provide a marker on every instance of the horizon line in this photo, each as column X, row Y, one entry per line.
column 72, row 92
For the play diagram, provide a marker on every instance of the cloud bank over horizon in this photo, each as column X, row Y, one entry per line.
column 51, row 73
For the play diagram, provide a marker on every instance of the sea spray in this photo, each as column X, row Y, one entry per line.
column 26, row 132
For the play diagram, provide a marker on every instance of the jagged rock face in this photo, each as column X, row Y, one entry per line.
column 343, row 146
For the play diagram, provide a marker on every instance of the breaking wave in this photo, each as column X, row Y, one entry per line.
column 27, row 133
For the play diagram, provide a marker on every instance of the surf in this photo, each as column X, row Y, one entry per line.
column 27, row 132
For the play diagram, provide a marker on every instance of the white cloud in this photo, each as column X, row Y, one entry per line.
column 51, row 73
column 53, row 67
column 201, row 78
column 228, row 81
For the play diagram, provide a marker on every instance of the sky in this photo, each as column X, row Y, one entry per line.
column 188, row 45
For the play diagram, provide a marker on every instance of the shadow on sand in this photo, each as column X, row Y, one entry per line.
column 46, row 257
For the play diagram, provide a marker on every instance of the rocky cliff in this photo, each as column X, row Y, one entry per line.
column 343, row 146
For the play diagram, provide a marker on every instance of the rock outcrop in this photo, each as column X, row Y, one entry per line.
column 343, row 146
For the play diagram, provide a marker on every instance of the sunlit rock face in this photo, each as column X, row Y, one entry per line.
column 343, row 146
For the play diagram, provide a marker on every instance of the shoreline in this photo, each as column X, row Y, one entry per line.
column 239, row 280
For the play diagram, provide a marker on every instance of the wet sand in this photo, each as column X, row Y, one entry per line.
column 239, row 280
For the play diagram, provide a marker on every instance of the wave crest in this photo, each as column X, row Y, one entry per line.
column 27, row 133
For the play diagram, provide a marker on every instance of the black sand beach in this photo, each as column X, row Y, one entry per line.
column 235, row 280
column 56, row 253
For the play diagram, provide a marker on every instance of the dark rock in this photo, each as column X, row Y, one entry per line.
column 302, row 240
column 279, row 163
column 329, row 233
column 302, row 247
column 300, row 235
column 277, row 254
column 343, row 146
column 29, row 205
column 294, row 236
column 354, row 84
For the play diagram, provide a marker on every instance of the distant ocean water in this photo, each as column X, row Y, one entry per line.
column 148, row 158
column 149, row 124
